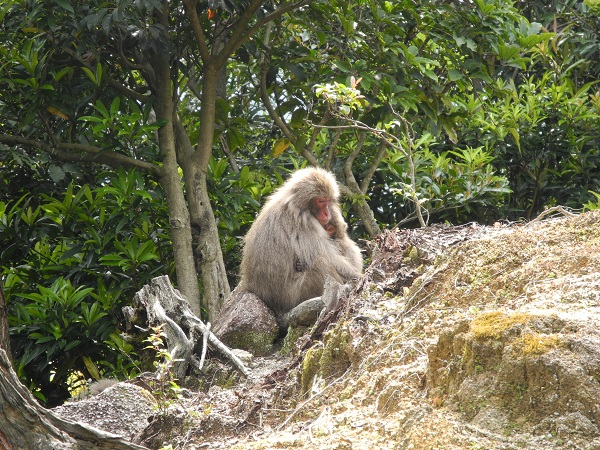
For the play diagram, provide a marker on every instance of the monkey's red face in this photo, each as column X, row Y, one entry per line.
column 321, row 210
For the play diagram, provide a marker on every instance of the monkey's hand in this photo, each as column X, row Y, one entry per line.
column 300, row 265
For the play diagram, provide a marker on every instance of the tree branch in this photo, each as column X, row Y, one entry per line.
column 368, row 175
column 269, row 18
column 264, row 95
column 350, row 160
column 81, row 152
column 111, row 82
column 190, row 6
column 332, row 147
column 240, row 33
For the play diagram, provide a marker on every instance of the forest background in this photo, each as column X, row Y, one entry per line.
column 139, row 138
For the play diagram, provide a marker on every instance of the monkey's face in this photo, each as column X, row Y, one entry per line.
column 331, row 230
column 320, row 209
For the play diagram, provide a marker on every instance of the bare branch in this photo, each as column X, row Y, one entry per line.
column 368, row 175
column 232, row 162
column 82, row 153
column 192, row 85
column 332, row 147
column 190, row 6
column 264, row 94
column 392, row 141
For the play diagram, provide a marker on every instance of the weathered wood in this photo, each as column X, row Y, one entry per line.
column 165, row 305
column 4, row 335
column 25, row 425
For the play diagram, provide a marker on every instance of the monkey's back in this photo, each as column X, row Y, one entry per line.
column 279, row 244
column 287, row 253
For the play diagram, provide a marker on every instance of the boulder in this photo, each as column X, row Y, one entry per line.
column 247, row 323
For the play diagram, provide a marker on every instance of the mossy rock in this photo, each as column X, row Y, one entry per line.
column 326, row 360
column 502, row 360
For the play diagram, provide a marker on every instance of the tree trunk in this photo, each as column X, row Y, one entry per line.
column 25, row 425
column 204, row 227
column 367, row 217
column 179, row 218
column 4, row 335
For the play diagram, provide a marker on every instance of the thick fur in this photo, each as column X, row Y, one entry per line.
column 287, row 252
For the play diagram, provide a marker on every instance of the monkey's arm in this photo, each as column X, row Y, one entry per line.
column 347, row 269
column 348, row 263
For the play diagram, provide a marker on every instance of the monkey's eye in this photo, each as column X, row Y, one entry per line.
column 321, row 202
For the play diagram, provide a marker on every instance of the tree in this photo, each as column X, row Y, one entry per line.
column 72, row 65
column 396, row 85
column 93, row 82
column 4, row 336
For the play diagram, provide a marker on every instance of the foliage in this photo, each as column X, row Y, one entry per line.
column 56, row 328
column 164, row 388
column 544, row 135
column 454, row 185
column 474, row 95
column 376, row 63
column 71, row 264
column 593, row 204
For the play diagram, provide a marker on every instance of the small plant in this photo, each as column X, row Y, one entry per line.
column 342, row 98
column 591, row 205
column 165, row 389
column 77, row 385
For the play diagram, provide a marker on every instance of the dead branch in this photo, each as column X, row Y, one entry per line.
column 25, row 424
column 165, row 305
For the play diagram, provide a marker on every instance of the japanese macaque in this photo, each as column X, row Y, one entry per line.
column 298, row 238
column 336, row 230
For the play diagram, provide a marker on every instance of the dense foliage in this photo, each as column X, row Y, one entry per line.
column 76, row 261
column 436, row 111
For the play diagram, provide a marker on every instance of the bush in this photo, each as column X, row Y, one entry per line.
column 70, row 266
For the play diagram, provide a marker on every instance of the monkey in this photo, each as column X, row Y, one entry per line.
column 336, row 229
column 298, row 238
column 331, row 231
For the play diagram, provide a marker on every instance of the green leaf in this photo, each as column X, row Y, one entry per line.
column 235, row 138
column 90, row 75
column 65, row 5
column 341, row 65
column 114, row 106
column 91, row 367
column 454, row 75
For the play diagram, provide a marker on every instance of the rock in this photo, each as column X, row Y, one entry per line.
column 305, row 314
column 521, row 368
column 247, row 323
column 122, row 409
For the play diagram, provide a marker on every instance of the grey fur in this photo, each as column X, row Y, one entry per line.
column 287, row 252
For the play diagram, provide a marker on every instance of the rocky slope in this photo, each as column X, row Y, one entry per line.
column 457, row 337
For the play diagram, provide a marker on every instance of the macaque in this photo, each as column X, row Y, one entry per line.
column 298, row 238
column 336, row 230
column 331, row 231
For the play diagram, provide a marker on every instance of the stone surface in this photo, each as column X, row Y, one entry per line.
column 122, row 409
column 247, row 323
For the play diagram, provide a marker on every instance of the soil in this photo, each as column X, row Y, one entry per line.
column 456, row 338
